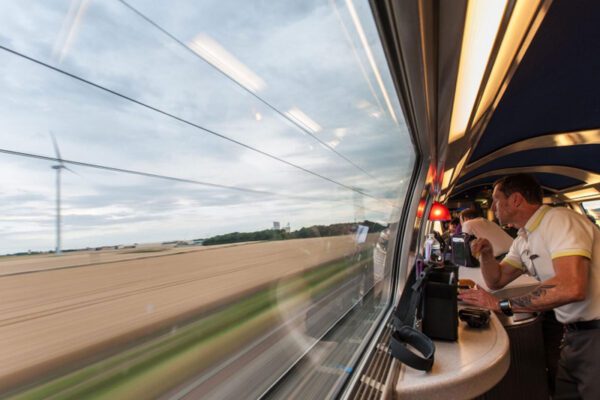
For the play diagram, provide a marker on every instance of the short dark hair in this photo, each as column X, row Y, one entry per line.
column 455, row 221
column 469, row 213
column 525, row 184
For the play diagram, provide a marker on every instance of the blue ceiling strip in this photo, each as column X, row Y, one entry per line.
column 585, row 157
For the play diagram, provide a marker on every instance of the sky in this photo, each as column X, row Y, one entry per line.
column 185, row 119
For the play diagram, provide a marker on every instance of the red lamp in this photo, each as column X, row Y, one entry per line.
column 439, row 212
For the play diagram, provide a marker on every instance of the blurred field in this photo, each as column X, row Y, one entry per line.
column 10, row 265
column 56, row 316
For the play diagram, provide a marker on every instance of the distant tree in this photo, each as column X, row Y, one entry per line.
column 302, row 233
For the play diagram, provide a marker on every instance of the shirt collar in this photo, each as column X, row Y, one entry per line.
column 534, row 221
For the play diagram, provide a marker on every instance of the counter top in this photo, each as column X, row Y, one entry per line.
column 463, row 369
column 466, row 368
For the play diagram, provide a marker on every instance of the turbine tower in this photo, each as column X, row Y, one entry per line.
column 58, row 167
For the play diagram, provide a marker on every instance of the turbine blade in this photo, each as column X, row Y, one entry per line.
column 71, row 171
column 56, row 149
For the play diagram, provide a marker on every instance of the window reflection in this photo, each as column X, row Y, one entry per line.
column 592, row 210
column 172, row 280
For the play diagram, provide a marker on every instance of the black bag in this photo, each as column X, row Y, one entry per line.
column 461, row 250
column 427, row 309
column 440, row 304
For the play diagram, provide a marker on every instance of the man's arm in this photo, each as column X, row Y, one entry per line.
column 496, row 275
column 569, row 285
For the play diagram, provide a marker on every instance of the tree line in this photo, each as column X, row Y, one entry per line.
column 282, row 234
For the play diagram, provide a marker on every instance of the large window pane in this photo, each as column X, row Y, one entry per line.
column 592, row 209
column 224, row 178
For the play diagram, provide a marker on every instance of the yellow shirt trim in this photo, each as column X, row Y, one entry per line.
column 513, row 263
column 538, row 218
column 565, row 253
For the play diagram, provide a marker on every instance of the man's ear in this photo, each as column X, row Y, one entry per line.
column 516, row 199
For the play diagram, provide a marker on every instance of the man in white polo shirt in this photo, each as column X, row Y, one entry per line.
column 561, row 249
column 481, row 228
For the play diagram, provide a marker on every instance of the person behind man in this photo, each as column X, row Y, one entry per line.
column 481, row 228
column 562, row 250
column 453, row 228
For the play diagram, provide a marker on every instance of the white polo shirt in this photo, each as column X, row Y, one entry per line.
column 484, row 229
column 558, row 232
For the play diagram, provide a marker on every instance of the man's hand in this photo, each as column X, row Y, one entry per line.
column 480, row 298
column 482, row 247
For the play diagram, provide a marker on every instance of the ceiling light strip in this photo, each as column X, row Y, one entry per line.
column 535, row 24
column 521, row 17
column 481, row 27
column 582, row 194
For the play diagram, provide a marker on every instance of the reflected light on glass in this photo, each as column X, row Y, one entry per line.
column 363, row 104
column 421, row 208
column 365, row 43
column 215, row 54
column 69, row 29
column 521, row 16
column 304, row 120
column 481, row 26
column 340, row 133
column 447, row 178
column 431, row 174
column 334, row 143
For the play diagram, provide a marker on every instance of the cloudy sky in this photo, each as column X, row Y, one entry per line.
column 186, row 119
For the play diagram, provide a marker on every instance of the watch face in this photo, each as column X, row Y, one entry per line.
column 506, row 307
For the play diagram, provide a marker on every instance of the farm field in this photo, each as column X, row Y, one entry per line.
column 57, row 310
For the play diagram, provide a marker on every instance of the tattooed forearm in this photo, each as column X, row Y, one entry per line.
column 526, row 301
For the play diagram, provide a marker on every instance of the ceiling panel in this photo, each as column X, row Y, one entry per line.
column 586, row 157
column 556, row 87
column 554, row 181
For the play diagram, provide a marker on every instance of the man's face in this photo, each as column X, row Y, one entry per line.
column 452, row 228
column 502, row 207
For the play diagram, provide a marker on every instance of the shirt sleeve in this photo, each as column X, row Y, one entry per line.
column 513, row 257
column 466, row 228
column 568, row 234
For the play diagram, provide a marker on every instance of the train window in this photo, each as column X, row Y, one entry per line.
column 197, row 198
column 592, row 210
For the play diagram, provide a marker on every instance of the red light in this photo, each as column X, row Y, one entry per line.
column 431, row 174
column 421, row 208
column 439, row 212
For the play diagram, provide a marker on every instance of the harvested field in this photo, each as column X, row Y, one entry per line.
column 58, row 315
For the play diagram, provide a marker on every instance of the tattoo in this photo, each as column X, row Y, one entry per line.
column 526, row 301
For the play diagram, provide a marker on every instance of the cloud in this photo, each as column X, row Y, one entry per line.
column 299, row 49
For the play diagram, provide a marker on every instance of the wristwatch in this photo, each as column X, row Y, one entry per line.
column 506, row 307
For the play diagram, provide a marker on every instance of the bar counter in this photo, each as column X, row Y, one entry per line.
column 467, row 368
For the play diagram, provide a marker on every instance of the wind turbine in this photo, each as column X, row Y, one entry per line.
column 58, row 167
